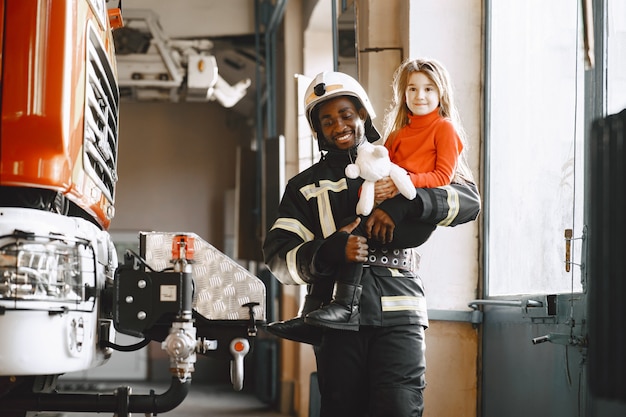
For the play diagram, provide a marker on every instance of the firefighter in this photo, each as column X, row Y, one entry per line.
column 378, row 370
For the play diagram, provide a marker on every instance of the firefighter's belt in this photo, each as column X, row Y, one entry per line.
column 403, row 259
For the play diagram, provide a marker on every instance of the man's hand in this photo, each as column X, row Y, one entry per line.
column 356, row 246
column 379, row 226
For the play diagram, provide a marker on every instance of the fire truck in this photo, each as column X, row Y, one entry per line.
column 64, row 294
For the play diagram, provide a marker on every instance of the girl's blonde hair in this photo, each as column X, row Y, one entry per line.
column 398, row 114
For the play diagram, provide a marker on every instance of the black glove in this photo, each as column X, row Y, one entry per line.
column 333, row 250
column 329, row 254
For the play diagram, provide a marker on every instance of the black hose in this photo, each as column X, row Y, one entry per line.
column 120, row 402
column 167, row 401
column 125, row 348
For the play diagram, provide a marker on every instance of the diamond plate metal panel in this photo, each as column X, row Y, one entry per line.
column 222, row 286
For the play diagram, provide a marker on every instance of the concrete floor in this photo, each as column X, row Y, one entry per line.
column 202, row 401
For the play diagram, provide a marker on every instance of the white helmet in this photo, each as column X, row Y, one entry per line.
column 334, row 84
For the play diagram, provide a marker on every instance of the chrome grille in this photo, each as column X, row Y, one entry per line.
column 101, row 117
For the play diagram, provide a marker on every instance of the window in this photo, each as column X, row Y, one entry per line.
column 535, row 132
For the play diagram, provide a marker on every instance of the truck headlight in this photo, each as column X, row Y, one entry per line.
column 46, row 269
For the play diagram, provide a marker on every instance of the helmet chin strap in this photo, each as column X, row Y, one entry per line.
column 354, row 148
column 363, row 139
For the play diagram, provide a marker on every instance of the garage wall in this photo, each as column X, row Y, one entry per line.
column 176, row 162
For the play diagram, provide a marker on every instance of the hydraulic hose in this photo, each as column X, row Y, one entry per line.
column 121, row 402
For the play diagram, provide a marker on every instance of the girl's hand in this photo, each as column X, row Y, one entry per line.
column 384, row 188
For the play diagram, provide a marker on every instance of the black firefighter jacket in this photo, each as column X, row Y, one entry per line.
column 322, row 199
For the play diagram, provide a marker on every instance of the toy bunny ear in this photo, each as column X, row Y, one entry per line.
column 352, row 171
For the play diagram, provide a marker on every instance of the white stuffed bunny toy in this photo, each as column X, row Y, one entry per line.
column 372, row 163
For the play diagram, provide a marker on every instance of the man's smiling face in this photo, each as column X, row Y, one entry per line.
column 342, row 125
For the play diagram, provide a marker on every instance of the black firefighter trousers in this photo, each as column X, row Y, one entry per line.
column 375, row 372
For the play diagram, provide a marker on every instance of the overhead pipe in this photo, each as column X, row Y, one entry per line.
column 269, row 94
column 270, row 62
column 335, row 34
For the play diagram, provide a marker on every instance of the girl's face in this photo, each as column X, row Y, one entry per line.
column 421, row 95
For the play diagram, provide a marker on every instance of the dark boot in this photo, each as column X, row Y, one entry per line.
column 296, row 329
column 343, row 312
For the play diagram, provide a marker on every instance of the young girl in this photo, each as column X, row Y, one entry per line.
column 424, row 133
column 423, row 128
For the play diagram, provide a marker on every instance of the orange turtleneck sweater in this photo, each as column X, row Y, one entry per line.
column 428, row 148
